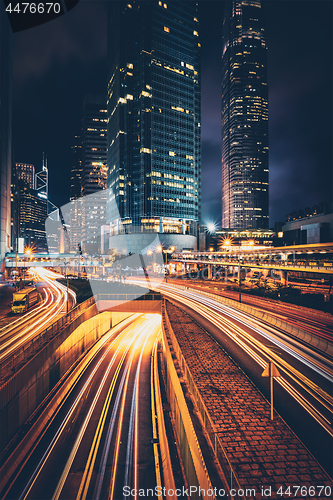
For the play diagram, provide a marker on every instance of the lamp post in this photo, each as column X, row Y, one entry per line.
column 67, row 289
column 27, row 251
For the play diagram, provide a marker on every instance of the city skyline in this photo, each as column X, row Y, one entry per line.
column 298, row 150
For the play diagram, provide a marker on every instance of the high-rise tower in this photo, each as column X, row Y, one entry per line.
column 25, row 172
column 76, row 169
column 154, row 156
column 244, row 117
column 91, row 214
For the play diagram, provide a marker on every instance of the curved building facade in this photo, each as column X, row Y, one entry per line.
column 244, row 117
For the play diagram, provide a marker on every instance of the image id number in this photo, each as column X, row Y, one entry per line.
column 304, row 491
column 34, row 8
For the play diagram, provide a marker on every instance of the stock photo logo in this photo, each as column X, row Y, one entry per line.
column 118, row 259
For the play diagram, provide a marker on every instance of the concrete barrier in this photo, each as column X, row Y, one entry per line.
column 194, row 463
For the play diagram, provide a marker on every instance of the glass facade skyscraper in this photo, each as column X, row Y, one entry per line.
column 91, row 212
column 76, row 169
column 244, row 117
column 154, row 155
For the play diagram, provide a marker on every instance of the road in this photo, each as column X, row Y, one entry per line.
column 305, row 374
column 102, row 436
column 303, row 392
column 312, row 321
column 22, row 329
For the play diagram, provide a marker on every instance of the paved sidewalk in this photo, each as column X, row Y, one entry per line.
column 264, row 454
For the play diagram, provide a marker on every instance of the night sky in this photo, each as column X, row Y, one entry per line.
column 55, row 64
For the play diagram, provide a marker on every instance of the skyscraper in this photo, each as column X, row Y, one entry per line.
column 25, row 172
column 154, row 155
column 244, row 117
column 32, row 213
column 75, row 194
column 94, row 144
column 76, row 169
column 94, row 132
column 5, row 131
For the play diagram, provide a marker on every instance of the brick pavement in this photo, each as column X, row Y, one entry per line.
column 263, row 452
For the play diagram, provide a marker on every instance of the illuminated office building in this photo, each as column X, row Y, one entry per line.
column 5, row 132
column 76, row 169
column 244, row 117
column 93, row 180
column 154, row 155
column 32, row 213
column 75, row 194
column 25, row 172
column 22, row 174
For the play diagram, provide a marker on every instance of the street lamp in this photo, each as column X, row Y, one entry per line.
column 27, row 251
column 66, row 263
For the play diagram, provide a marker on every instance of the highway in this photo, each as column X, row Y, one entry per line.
column 311, row 321
column 305, row 374
column 22, row 329
column 101, row 438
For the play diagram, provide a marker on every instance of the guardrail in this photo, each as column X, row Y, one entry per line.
column 228, row 471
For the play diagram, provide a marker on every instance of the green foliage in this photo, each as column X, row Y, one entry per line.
column 277, row 291
column 80, row 286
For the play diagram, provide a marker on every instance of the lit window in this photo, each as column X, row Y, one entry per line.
column 178, row 108
column 195, row 33
column 172, row 153
column 166, row 29
column 130, row 65
column 145, row 150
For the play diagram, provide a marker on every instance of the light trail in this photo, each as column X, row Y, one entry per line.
column 115, row 378
column 108, row 337
column 24, row 329
column 241, row 327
